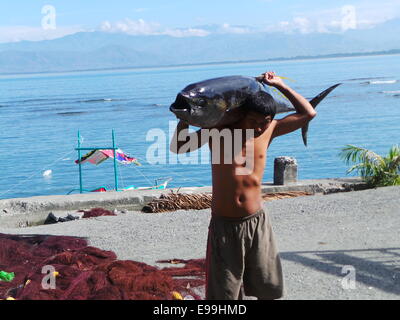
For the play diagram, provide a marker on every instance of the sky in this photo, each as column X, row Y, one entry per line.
column 39, row 20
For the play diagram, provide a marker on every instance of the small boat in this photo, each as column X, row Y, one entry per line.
column 157, row 186
column 98, row 155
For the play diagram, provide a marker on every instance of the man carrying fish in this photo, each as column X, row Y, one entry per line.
column 241, row 248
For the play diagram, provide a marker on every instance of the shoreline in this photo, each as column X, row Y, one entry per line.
column 200, row 64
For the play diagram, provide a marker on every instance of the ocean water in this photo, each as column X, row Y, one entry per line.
column 40, row 116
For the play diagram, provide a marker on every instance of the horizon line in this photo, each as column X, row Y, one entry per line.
column 310, row 57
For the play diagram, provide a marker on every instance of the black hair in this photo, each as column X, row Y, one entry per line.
column 261, row 102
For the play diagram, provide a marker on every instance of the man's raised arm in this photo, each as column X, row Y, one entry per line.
column 305, row 111
column 183, row 141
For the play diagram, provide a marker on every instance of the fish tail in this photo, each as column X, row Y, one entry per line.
column 314, row 102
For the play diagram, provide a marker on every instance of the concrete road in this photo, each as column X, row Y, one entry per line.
column 337, row 246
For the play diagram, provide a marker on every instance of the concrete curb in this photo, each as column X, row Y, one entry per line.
column 27, row 211
column 324, row 186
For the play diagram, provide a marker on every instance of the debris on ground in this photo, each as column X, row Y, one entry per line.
column 96, row 212
column 52, row 218
column 197, row 201
column 6, row 276
column 81, row 214
column 179, row 201
column 283, row 195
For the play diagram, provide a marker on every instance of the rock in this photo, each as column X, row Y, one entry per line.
column 51, row 219
column 76, row 215
column 285, row 170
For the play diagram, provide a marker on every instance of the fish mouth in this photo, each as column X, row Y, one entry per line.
column 175, row 109
column 180, row 113
column 181, row 105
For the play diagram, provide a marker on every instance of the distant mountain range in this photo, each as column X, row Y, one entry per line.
column 102, row 50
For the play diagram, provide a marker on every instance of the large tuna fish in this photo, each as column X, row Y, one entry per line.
column 221, row 101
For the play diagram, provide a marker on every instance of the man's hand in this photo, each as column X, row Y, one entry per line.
column 305, row 111
column 183, row 141
column 182, row 122
column 271, row 79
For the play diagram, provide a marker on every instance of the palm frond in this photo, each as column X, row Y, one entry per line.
column 394, row 151
column 352, row 153
column 357, row 167
column 373, row 168
column 394, row 165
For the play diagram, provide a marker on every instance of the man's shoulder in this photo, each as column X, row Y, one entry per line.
column 274, row 122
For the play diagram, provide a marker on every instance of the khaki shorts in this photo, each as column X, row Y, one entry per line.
column 242, row 251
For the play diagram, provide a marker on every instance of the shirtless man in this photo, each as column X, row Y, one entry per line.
column 241, row 249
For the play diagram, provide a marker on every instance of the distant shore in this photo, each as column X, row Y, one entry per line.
column 277, row 59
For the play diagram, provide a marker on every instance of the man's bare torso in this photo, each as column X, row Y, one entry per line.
column 239, row 195
column 236, row 194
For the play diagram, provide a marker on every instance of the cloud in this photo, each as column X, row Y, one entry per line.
column 134, row 27
column 338, row 19
column 190, row 32
column 302, row 24
column 227, row 28
column 364, row 15
column 141, row 27
column 20, row 33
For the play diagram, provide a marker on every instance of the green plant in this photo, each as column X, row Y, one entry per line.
column 377, row 171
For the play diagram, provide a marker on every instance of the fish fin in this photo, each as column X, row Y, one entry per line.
column 317, row 99
column 314, row 102
column 304, row 131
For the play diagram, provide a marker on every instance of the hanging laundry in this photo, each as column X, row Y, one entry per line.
column 95, row 157
column 99, row 155
column 121, row 157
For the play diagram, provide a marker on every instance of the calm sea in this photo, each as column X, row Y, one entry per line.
column 40, row 116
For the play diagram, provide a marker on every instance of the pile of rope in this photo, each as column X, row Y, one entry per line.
column 96, row 212
column 283, row 195
column 179, row 201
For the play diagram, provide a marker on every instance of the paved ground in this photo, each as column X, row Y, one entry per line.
column 34, row 210
column 318, row 236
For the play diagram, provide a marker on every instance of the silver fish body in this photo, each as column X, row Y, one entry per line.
column 214, row 102
column 221, row 101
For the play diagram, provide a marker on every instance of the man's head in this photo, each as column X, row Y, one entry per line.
column 261, row 110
